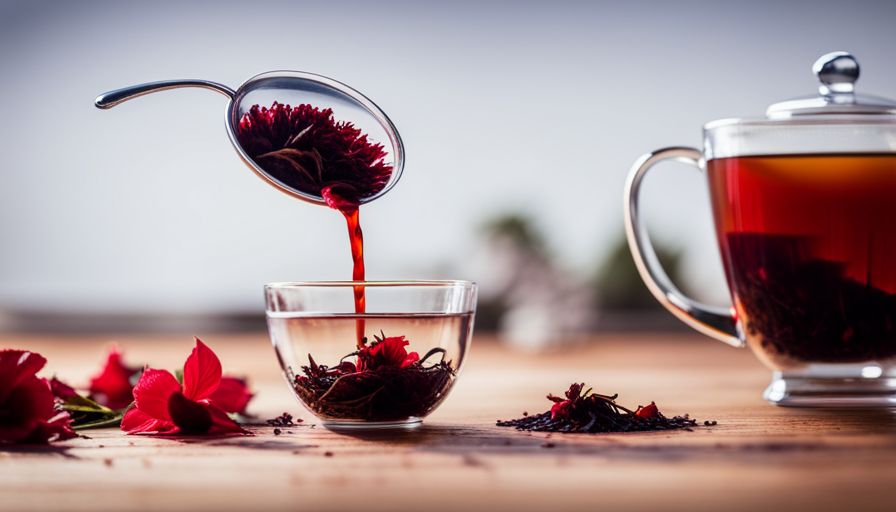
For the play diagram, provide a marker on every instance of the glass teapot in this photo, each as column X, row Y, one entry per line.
column 804, row 206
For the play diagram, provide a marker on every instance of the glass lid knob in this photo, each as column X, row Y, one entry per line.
column 837, row 72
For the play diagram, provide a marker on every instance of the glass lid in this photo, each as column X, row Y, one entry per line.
column 836, row 120
column 837, row 73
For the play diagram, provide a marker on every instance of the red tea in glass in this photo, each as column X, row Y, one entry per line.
column 804, row 204
column 809, row 248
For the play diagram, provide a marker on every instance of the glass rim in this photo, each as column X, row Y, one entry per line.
column 285, row 285
column 816, row 120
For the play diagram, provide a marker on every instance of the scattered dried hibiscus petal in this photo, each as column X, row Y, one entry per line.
column 587, row 412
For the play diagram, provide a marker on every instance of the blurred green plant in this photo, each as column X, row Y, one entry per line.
column 618, row 284
column 519, row 229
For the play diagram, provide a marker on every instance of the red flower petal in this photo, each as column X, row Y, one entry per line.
column 189, row 416
column 151, row 394
column 200, row 417
column 222, row 424
column 574, row 391
column 232, row 395
column 55, row 429
column 560, row 409
column 135, row 421
column 202, row 372
column 27, row 406
column 61, row 390
column 387, row 352
column 16, row 366
column 647, row 412
column 393, row 352
column 412, row 358
column 112, row 386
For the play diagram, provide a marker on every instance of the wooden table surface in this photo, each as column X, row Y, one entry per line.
column 758, row 456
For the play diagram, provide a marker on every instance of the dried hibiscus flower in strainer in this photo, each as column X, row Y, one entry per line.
column 306, row 149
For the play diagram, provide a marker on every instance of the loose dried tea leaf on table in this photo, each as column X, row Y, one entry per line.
column 592, row 413
column 284, row 420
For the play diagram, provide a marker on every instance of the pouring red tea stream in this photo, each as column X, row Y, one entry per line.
column 306, row 149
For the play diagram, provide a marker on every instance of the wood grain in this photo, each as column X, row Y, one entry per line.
column 758, row 456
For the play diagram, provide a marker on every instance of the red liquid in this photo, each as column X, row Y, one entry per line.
column 306, row 149
column 356, row 238
column 809, row 247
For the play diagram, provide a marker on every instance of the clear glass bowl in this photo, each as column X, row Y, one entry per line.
column 390, row 366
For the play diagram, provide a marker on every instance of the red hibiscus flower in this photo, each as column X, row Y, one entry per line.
column 112, row 386
column 27, row 406
column 304, row 148
column 232, row 395
column 163, row 406
column 386, row 352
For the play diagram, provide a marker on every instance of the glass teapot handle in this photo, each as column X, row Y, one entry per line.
column 715, row 322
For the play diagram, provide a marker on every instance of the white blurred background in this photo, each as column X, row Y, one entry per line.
column 537, row 108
